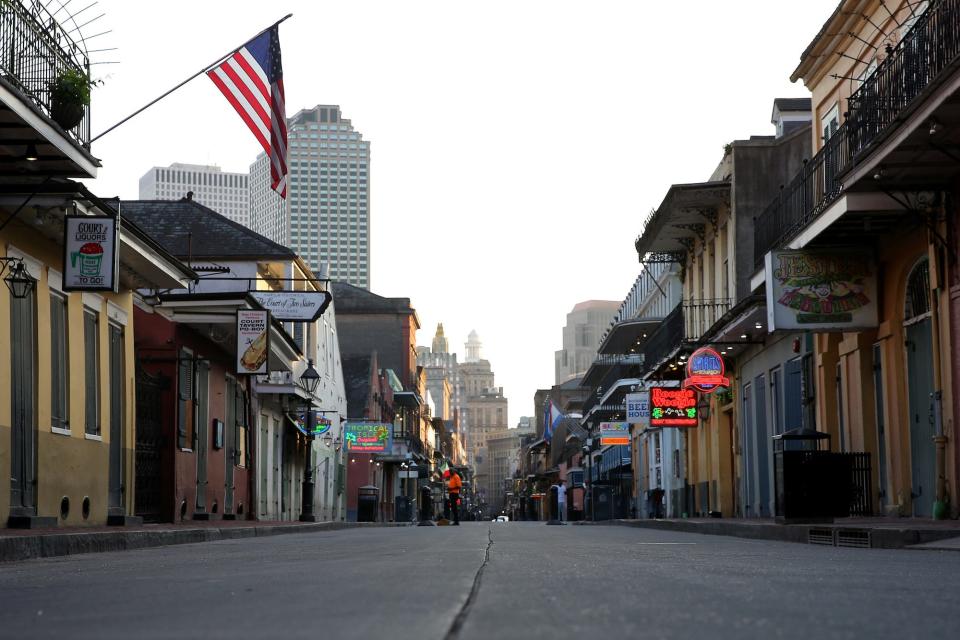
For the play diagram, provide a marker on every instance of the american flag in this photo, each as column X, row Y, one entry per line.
column 252, row 80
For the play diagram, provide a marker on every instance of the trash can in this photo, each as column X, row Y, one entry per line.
column 403, row 509
column 367, row 503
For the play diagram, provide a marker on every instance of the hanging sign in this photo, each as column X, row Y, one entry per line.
column 613, row 433
column 672, row 407
column 705, row 371
column 90, row 256
column 832, row 290
column 638, row 408
column 320, row 424
column 294, row 306
column 369, row 437
column 253, row 341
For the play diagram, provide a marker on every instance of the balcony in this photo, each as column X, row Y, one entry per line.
column 700, row 315
column 924, row 58
column 666, row 339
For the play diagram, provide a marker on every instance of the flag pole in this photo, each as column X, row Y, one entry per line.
column 198, row 73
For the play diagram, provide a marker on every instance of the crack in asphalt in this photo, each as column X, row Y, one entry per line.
column 461, row 617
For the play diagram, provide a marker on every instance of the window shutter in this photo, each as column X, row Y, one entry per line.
column 184, row 394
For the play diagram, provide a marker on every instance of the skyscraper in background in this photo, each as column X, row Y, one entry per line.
column 224, row 192
column 326, row 217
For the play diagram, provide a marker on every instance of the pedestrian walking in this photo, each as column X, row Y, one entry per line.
column 453, row 490
column 562, row 500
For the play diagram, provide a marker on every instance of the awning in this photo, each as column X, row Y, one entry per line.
column 406, row 399
column 628, row 335
column 541, row 443
column 682, row 216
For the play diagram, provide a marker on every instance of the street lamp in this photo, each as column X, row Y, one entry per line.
column 18, row 281
column 309, row 381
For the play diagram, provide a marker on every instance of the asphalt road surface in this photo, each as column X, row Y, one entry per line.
column 486, row 580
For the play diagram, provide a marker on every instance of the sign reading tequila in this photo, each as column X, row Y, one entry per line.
column 294, row 306
column 832, row 290
column 705, row 371
column 90, row 257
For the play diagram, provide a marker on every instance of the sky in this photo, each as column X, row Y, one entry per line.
column 516, row 146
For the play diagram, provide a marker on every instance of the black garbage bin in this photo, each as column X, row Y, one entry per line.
column 403, row 509
column 367, row 503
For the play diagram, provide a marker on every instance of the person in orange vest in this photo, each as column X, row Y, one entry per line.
column 453, row 488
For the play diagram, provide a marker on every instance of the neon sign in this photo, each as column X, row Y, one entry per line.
column 673, row 407
column 369, row 437
column 705, row 371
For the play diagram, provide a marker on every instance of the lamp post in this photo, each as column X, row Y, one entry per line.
column 309, row 380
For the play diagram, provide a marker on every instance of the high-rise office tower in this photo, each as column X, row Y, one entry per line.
column 224, row 192
column 326, row 218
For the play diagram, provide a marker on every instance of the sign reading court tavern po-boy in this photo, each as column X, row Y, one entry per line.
column 294, row 306
column 253, row 341
column 90, row 253
column 833, row 290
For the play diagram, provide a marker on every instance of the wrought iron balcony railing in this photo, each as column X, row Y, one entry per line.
column 667, row 337
column 35, row 50
column 700, row 315
column 925, row 54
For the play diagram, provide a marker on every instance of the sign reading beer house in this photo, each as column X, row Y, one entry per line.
column 90, row 254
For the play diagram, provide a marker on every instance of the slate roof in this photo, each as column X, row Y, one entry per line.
column 793, row 104
column 351, row 299
column 187, row 228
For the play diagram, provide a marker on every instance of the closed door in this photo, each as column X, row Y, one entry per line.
column 230, row 443
column 749, row 462
column 263, row 469
column 23, row 434
column 115, row 482
column 763, row 447
column 278, row 506
column 202, row 433
column 920, row 385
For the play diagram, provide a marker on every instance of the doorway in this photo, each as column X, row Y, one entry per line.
column 920, row 389
column 115, row 482
column 23, row 434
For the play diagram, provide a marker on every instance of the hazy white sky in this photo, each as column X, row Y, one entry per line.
column 516, row 145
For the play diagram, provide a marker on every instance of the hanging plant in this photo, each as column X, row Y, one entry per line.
column 69, row 95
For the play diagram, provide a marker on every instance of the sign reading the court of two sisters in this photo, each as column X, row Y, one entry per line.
column 294, row 306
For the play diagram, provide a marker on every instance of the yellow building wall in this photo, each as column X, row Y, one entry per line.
column 70, row 465
column 854, row 352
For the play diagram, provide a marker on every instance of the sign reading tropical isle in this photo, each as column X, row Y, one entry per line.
column 90, row 253
column 832, row 290
column 369, row 437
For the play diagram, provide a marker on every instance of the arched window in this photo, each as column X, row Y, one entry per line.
column 917, row 302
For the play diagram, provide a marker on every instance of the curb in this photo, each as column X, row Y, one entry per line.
column 879, row 538
column 17, row 548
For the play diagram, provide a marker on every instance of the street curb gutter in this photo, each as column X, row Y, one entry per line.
column 26, row 547
column 879, row 538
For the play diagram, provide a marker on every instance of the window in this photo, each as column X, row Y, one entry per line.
column 91, row 353
column 59, row 364
column 830, row 122
column 185, row 399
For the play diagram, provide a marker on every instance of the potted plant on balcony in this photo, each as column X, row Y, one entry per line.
column 69, row 94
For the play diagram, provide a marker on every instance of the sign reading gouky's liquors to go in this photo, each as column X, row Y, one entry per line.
column 833, row 290
column 90, row 256
column 253, row 341
column 294, row 306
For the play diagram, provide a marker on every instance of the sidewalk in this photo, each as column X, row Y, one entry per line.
column 875, row 533
column 23, row 544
